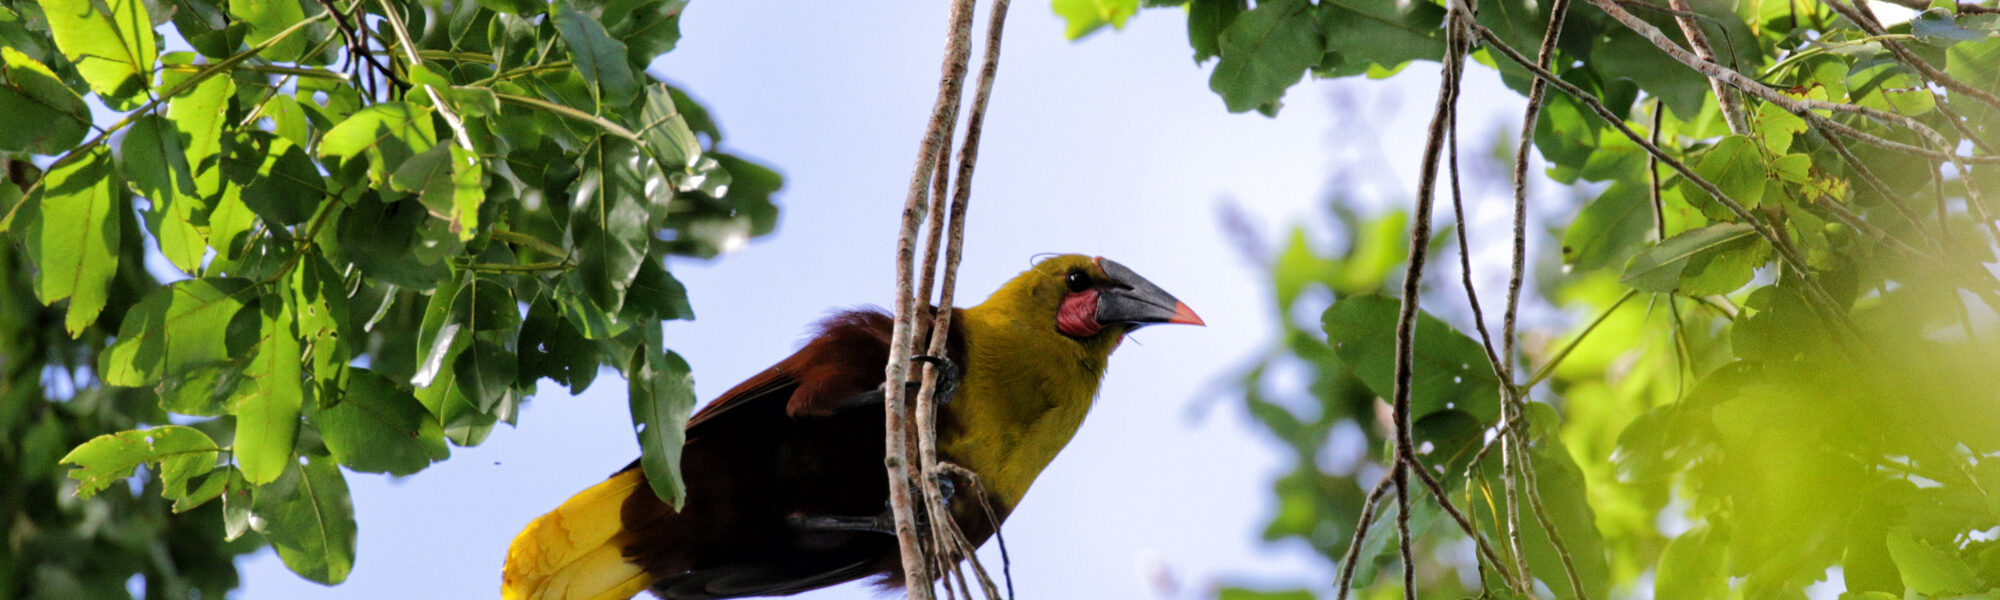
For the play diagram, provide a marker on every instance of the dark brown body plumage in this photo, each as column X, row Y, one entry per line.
column 778, row 446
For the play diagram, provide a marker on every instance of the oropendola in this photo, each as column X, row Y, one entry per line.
column 787, row 491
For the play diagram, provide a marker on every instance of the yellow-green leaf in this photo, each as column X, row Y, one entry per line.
column 267, row 407
column 75, row 242
column 114, row 51
column 181, row 453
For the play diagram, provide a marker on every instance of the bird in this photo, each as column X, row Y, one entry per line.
column 786, row 485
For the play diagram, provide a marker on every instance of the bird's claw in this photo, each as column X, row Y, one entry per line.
column 947, row 381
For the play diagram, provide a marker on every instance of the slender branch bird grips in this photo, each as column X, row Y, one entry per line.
column 786, row 490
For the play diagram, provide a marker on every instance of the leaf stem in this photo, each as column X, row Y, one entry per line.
column 515, row 237
column 601, row 122
column 1548, row 368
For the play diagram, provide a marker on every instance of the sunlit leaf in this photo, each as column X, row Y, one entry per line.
column 75, row 242
column 267, row 407
column 113, row 50
column 1264, row 51
column 1722, row 253
column 180, row 454
column 1086, row 16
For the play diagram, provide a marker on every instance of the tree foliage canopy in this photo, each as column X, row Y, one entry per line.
column 319, row 237
column 1782, row 366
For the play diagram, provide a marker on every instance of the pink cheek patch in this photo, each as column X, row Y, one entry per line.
column 1078, row 316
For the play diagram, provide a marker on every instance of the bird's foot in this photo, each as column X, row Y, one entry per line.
column 947, row 381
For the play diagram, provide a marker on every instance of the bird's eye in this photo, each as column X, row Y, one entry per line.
column 1078, row 281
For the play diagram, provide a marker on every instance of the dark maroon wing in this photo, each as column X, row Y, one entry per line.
column 777, row 445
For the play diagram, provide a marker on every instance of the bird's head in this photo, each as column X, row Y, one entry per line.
column 1084, row 297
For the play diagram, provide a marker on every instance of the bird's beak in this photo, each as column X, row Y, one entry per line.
column 1133, row 300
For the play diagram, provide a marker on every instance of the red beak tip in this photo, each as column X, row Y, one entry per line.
column 1186, row 316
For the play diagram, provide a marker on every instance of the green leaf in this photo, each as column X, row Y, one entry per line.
column 450, row 183
column 600, row 59
column 279, row 182
column 1929, row 570
column 438, row 336
column 1711, row 256
column 387, row 134
column 1264, row 51
column 212, row 486
column 609, row 224
column 181, row 453
column 200, row 391
column 483, row 372
column 308, row 516
column 1206, row 21
column 551, row 347
column 1381, row 33
column 666, row 134
column 1941, row 28
column 1609, row 229
column 237, row 499
column 114, row 51
column 1693, row 567
column 267, row 407
column 155, row 160
column 44, row 116
column 1623, row 54
column 1736, row 167
column 75, row 241
column 1086, row 16
column 379, row 427
column 198, row 117
column 525, row 8
column 662, row 394
column 1776, row 127
column 655, row 294
column 266, row 19
column 1450, row 369
column 649, row 29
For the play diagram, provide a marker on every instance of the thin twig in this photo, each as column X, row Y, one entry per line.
column 1860, row 14
column 1549, row 527
column 1542, row 374
column 1653, row 176
column 961, row 188
column 1459, row 16
column 444, row 108
column 1804, row 108
column 1368, row 508
column 916, row 566
column 1819, row 299
column 1726, row 99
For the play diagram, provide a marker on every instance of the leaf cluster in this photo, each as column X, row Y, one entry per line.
column 342, row 236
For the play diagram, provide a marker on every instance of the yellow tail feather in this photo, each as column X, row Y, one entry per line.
column 570, row 553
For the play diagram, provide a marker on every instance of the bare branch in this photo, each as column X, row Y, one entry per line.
column 916, row 567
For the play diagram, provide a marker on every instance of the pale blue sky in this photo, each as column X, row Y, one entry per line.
column 1111, row 146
